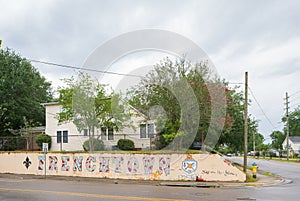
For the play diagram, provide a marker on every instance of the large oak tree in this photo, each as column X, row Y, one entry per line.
column 22, row 90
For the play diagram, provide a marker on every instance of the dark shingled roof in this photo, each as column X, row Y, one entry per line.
column 295, row 139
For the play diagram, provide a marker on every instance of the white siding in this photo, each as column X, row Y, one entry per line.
column 76, row 139
column 295, row 146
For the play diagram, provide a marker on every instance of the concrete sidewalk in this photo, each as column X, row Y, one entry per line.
column 263, row 180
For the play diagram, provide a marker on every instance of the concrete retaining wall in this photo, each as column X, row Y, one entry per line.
column 210, row 167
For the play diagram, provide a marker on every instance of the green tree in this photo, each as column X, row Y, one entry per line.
column 233, row 135
column 233, row 138
column 163, row 86
column 43, row 138
column 294, row 122
column 88, row 105
column 209, row 92
column 22, row 90
column 259, row 139
column 277, row 139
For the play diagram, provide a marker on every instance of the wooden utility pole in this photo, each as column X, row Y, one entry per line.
column 287, row 124
column 254, row 138
column 246, row 123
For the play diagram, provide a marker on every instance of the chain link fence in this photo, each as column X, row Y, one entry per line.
column 16, row 143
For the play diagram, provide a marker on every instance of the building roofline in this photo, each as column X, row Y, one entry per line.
column 50, row 103
column 295, row 139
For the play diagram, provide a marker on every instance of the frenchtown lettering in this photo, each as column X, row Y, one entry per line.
column 104, row 164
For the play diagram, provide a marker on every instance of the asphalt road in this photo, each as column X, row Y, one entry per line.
column 31, row 189
column 287, row 170
column 53, row 190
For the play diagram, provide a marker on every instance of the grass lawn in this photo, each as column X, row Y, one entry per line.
column 294, row 160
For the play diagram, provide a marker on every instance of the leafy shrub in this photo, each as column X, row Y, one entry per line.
column 125, row 144
column 43, row 138
column 98, row 145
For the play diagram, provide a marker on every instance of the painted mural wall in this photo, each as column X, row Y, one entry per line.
column 209, row 167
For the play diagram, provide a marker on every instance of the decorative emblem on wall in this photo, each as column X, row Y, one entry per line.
column 27, row 162
column 189, row 165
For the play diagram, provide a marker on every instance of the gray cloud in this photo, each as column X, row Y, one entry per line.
column 261, row 37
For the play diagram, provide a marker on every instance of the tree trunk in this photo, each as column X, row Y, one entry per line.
column 91, row 144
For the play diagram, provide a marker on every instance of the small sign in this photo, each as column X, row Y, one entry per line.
column 45, row 147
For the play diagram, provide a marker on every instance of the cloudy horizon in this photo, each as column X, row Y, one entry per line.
column 261, row 37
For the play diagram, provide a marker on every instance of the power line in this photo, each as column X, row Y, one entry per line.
column 132, row 75
column 239, row 83
column 297, row 104
column 85, row 69
column 295, row 93
column 296, row 98
column 274, row 127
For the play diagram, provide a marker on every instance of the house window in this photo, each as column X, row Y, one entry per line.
column 58, row 136
column 110, row 133
column 143, row 130
column 146, row 130
column 65, row 137
column 150, row 129
column 85, row 132
column 103, row 133
column 62, row 136
column 107, row 133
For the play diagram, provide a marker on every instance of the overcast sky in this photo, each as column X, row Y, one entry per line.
column 261, row 37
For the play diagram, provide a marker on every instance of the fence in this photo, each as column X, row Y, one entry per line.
column 69, row 142
column 12, row 143
column 75, row 142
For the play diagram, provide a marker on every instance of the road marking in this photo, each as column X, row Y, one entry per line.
column 117, row 197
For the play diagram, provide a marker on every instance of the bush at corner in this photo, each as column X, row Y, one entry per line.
column 125, row 144
column 43, row 138
column 98, row 145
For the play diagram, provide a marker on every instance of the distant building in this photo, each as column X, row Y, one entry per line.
column 274, row 151
column 66, row 137
column 294, row 144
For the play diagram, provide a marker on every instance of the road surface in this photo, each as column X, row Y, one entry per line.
column 288, row 170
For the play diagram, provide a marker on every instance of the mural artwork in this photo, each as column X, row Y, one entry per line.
column 137, row 166
column 165, row 166
column 27, row 162
column 189, row 166
column 132, row 165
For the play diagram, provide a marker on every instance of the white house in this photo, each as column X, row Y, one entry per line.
column 66, row 136
column 294, row 144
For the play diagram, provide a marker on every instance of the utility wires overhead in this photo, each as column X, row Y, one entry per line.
column 80, row 68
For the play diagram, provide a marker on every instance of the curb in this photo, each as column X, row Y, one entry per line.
column 191, row 184
column 276, row 180
column 271, row 181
